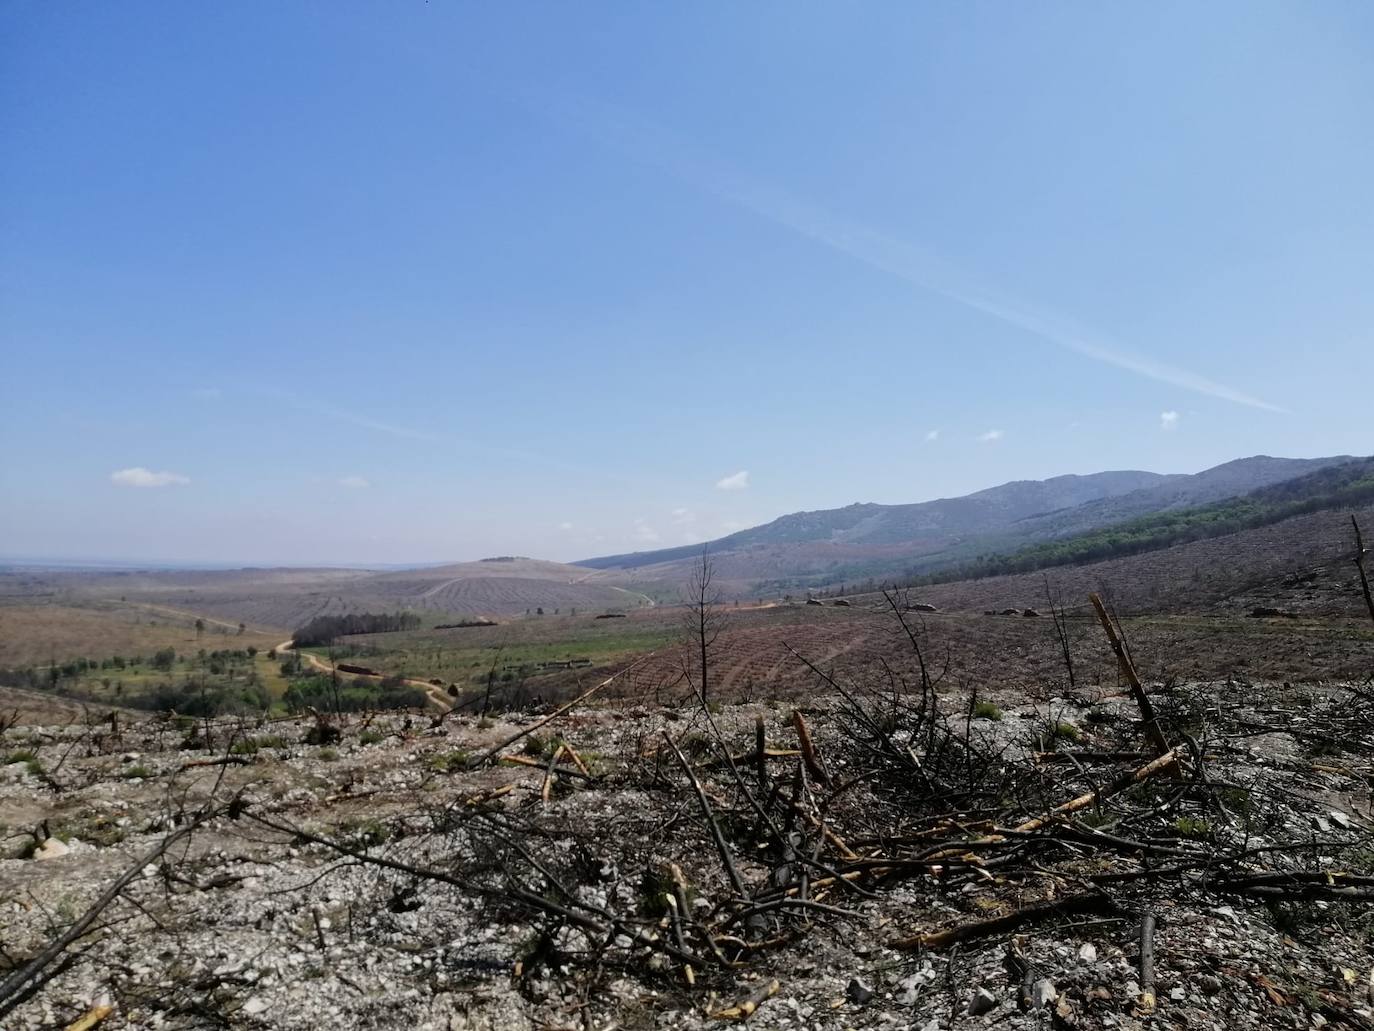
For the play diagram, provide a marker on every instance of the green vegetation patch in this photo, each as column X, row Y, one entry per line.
column 987, row 711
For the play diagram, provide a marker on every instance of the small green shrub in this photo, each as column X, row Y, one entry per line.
column 370, row 737
column 1067, row 731
column 137, row 773
column 449, row 762
column 22, row 755
column 1193, row 827
column 655, row 887
column 986, row 711
column 327, row 755
column 695, row 745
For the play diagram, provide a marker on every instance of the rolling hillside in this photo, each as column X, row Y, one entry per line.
column 812, row 549
column 280, row 599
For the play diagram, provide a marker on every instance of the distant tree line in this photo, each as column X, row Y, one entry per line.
column 323, row 629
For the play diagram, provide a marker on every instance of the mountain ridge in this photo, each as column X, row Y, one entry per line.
column 811, row 545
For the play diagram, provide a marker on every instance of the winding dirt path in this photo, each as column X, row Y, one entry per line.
column 436, row 695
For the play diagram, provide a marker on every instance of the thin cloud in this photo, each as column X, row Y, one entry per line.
column 990, row 436
column 138, row 476
column 1168, row 420
column 354, row 482
column 932, row 435
column 449, row 440
column 654, row 145
column 646, row 534
column 735, row 481
column 565, row 527
column 682, row 516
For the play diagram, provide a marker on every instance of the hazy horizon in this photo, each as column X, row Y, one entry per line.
column 412, row 285
column 190, row 563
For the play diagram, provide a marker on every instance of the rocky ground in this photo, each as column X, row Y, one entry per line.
column 374, row 873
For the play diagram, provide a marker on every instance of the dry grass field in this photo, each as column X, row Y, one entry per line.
column 279, row 600
column 40, row 634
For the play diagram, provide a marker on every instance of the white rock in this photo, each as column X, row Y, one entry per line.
column 1043, row 993
column 1087, row 953
column 254, row 1006
column 51, row 848
column 982, row 1001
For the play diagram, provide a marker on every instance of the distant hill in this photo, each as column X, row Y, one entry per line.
column 808, row 549
column 288, row 598
column 1346, row 485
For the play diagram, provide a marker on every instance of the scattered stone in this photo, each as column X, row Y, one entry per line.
column 1087, row 953
column 858, row 992
column 982, row 1001
column 1043, row 993
column 52, row 848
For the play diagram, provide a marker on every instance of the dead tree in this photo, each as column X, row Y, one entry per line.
column 703, row 622
column 1061, row 628
column 1359, row 564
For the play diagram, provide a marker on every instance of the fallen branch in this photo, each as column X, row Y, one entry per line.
column 1088, row 902
column 1142, row 700
column 496, row 749
column 810, row 756
column 1145, row 1002
column 13, row 985
column 746, row 1009
column 727, row 860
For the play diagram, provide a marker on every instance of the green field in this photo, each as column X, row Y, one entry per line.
column 244, row 676
column 467, row 656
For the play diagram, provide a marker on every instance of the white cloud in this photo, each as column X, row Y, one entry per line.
column 354, row 482
column 1168, row 420
column 565, row 527
column 731, row 525
column 683, row 516
column 646, row 534
column 932, row 435
column 692, row 537
column 990, row 436
column 735, row 481
column 137, row 476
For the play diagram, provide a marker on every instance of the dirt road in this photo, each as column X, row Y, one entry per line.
column 436, row 695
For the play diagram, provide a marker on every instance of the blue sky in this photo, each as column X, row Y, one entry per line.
column 388, row 282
